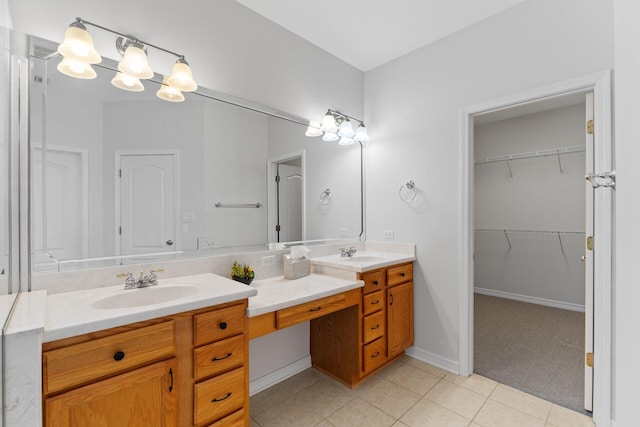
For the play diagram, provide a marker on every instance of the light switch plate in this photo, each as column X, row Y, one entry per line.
column 388, row 234
column 206, row 243
column 268, row 261
column 343, row 232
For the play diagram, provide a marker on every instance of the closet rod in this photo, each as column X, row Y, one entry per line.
column 510, row 230
column 531, row 154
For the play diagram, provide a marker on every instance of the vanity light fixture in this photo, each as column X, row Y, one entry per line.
column 79, row 53
column 337, row 126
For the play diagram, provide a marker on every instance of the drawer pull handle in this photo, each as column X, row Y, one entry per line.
column 316, row 309
column 118, row 356
column 171, row 375
column 223, row 325
column 215, row 359
column 375, row 327
column 220, row 400
column 401, row 274
column 375, row 302
column 376, row 354
column 375, row 282
column 391, row 298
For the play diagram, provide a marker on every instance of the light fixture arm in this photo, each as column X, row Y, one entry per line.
column 128, row 37
column 339, row 115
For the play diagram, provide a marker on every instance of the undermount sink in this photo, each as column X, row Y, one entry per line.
column 144, row 296
column 364, row 258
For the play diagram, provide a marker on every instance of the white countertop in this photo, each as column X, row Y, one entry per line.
column 277, row 293
column 75, row 313
column 363, row 261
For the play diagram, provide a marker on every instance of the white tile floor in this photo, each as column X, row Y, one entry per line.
column 407, row 393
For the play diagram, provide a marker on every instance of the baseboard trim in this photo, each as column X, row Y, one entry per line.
column 279, row 375
column 433, row 359
column 532, row 300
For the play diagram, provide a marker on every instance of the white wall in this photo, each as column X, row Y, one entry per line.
column 538, row 197
column 627, row 235
column 413, row 110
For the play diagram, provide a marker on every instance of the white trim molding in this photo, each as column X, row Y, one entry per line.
column 600, row 84
column 531, row 300
column 273, row 378
column 433, row 359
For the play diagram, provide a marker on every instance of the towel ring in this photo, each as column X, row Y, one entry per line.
column 325, row 196
column 407, row 192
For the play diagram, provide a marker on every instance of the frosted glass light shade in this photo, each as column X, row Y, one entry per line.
column 78, row 45
column 77, row 69
column 361, row 133
column 329, row 123
column 330, row 137
column 346, row 129
column 345, row 141
column 313, row 129
column 181, row 77
column 169, row 93
column 135, row 63
column 126, row 82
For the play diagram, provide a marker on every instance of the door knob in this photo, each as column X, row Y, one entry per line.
column 169, row 242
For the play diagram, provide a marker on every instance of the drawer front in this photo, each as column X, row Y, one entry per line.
column 373, row 326
column 400, row 274
column 372, row 302
column 374, row 281
column 234, row 420
column 218, row 324
column 311, row 310
column 85, row 362
column 375, row 354
column 219, row 396
column 219, row 357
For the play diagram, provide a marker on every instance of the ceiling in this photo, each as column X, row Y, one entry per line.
column 369, row 33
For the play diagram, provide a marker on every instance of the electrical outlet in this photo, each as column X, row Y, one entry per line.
column 388, row 234
column 206, row 243
column 343, row 232
column 268, row 261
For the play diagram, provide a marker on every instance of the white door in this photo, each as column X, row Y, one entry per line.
column 147, row 200
column 59, row 206
column 588, row 262
column 289, row 203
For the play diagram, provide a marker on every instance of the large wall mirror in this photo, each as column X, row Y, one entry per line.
column 120, row 177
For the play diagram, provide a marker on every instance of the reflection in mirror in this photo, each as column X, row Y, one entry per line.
column 123, row 177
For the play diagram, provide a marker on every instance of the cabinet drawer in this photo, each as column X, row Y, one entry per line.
column 218, row 357
column 375, row 354
column 219, row 396
column 311, row 310
column 218, row 324
column 234, row 420
column 400, row 274
column 373, row 326
column 372, row 302
column 374, row 281
column 88, row 361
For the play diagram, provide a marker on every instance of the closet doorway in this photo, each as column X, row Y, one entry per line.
column 530, row 219
column 597, row 263
column 286, row 195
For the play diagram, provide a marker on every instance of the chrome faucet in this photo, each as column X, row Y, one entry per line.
column 344, row 252
column 144, row 281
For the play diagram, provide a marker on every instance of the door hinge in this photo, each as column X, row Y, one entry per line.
column 277, row 178
column 590, row 243
column 589, row 360
column 277, row 227
column 590, row 127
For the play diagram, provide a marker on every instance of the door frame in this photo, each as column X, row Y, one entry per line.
column 177, row 190
column 272, row 170
column 600, row 84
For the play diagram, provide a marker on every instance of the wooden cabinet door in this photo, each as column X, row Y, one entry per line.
column 143, row 397
column 399, row 318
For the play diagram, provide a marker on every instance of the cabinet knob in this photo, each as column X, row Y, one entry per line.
column 118, row 356
column 375, row 282
column 223, row 325
column 401, row 274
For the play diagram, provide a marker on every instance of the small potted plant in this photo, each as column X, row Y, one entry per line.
column 242, row 273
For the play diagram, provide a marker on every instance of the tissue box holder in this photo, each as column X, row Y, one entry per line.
column 296, row 268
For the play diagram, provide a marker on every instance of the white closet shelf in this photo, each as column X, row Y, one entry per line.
column 531, row 154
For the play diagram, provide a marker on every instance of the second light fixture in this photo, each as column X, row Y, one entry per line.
column 337, row 126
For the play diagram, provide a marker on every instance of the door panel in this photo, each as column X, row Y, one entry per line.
column 290, row 203
column 147, row 204
column 588, row 262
